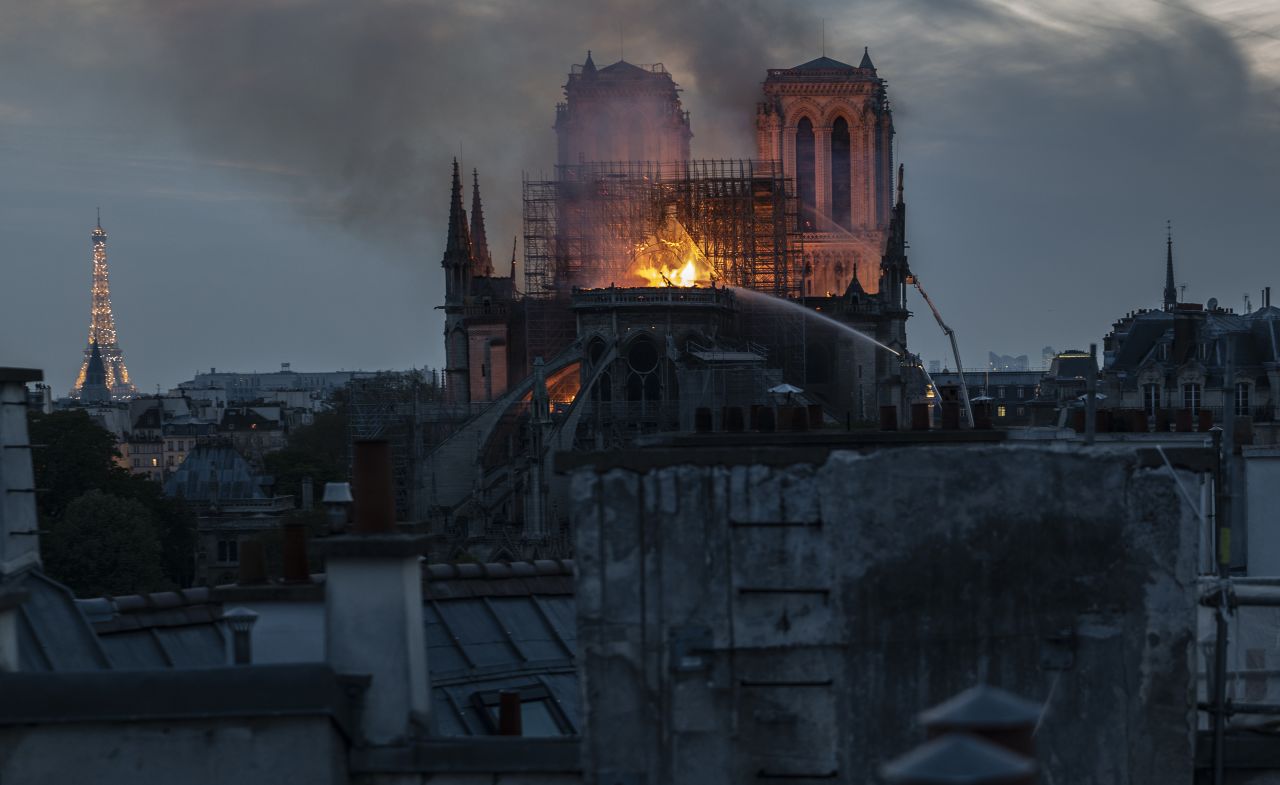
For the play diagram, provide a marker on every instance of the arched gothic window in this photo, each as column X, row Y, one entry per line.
column 806, row 170
column 841, row 206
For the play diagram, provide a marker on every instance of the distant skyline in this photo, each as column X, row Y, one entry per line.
column 273, row 175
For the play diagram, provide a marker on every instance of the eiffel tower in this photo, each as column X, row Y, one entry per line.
column 102, row 327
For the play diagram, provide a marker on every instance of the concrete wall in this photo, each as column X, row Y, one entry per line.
column 790, row 620
column 214, row 751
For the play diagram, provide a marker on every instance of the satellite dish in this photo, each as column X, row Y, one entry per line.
column 1212, row 304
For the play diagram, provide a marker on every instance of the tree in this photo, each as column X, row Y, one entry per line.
column 76, row 456
column 318, row 451
column 103, row 544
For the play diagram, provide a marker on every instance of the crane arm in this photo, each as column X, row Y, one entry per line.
column 955, row 347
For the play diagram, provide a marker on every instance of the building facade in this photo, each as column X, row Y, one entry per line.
column 830, row 125
column 622, row 112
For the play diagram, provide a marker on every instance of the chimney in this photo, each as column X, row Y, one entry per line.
column 373, row 606
column 510, row 720
column 1000, row 717
column 294, row 567
column 253, row 563
column 19, row 543
column 959, row 758
column 241, row 621
column 337, row 505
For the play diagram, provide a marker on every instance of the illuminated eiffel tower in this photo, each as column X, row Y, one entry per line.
column 102, row 327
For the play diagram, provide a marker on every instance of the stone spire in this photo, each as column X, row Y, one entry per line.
column 94, row 389
column 894, row 271
column 866, row 60
column 589, row 67
column 483, row 262
column 457, row 249
column 1170, row 291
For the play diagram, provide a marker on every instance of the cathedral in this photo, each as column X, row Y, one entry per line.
column 666, row 294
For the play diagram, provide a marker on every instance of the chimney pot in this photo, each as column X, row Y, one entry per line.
column 241, row 621
column 509, row 719
column 294, row 546
column 373, row 488
column 253, row 563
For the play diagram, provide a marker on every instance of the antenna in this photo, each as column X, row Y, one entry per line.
column 622, row 50
column 1182, row 291
column 824, row 37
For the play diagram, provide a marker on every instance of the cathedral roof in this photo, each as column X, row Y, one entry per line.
column 824, row 64
column 624, row 70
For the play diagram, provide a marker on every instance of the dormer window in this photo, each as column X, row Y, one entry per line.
column 1163, row 352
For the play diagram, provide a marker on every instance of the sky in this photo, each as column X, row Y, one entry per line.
column 273, row 175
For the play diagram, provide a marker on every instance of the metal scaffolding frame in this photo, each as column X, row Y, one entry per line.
column 582, row 228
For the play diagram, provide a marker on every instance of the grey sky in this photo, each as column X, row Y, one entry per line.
column 274, row 174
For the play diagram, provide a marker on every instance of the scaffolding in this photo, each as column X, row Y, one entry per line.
column 397, row 406
column 582, row 228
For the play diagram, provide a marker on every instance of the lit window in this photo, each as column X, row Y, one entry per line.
column 1000, row 411
column 1191, row 397
column 155, row 461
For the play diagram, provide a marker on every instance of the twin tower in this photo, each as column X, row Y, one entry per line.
column 828, row 123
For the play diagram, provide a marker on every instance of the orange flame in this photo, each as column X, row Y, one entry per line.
column 670, row 257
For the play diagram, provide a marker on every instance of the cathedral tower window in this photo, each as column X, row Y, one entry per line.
column 840, row 175
column 806, row 173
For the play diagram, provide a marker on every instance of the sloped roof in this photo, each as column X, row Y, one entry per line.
column 824, row 63
column 53, row 633
column 195, row 479
column 624, row 70
column 488, row 627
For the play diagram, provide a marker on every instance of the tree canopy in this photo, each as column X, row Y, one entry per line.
column 103, row 544
column 75, row 456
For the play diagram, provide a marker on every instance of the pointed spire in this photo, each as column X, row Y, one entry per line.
column 459, row 239
column 483, row 262
column 902, row 172
column 1170, row 291
column 457, row 249
column 866, row 60
column 589, row 67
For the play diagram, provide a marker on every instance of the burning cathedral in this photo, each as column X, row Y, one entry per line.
column 664, row 294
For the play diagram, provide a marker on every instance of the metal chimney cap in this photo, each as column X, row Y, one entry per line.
column 337, row 493
column 957, row 759
column 982, row 706
column 240, row 619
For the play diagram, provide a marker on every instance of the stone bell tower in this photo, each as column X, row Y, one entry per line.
column 830, row 125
